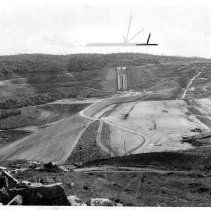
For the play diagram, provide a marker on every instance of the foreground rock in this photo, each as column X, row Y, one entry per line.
column 14, row 192
column 102, row 202
column 75, row 201
column 39, row 194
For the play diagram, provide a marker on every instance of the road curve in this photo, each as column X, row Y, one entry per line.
column 56, row 142
column 91, row 110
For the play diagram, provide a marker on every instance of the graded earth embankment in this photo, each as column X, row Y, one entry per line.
column 90, row 111
column 49, row 144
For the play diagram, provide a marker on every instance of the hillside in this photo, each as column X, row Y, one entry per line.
column 30, row 81
column 34, row 79
column 147, row 146
column 27, row 82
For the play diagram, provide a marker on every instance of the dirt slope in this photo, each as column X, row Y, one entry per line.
column 88, row 75
column 94, row 75
column 37, row 115
column 53, row 143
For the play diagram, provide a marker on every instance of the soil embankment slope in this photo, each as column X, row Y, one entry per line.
column 49, row 144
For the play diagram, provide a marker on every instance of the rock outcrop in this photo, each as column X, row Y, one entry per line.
column 14, row 192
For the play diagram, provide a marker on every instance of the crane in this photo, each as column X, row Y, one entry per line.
column 127, row 39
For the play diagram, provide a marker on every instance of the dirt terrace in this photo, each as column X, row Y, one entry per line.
column 150, row 126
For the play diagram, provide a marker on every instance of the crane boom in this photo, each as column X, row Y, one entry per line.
column 134, row 36
column 126, row 39
column 148, row 38
column 128, row 29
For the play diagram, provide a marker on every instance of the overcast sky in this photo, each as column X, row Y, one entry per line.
column 63, row 27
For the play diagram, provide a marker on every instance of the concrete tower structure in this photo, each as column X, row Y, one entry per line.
column 122, row 79
column 119, row 79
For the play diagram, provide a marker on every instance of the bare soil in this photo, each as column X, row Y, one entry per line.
column 184, row 179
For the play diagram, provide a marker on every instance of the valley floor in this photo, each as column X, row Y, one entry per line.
column 170, row 173
column 121, row 125
column 53, row 143
column 154, row 125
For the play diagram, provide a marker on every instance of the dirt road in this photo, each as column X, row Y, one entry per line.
column 110, row 169
column 190, row 83
column 148, row 126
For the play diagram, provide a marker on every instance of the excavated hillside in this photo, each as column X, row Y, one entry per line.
column 27, row 80
column 134, row 145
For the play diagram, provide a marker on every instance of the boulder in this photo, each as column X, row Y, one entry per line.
column 46, row 195
column 75, row 201
column 100, row 202
column 17, row 200
column 39, row 194
column 119, row 204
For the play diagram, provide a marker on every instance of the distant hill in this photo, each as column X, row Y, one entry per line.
column 36, row 78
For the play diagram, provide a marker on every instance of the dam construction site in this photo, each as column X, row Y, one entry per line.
column 124, row 129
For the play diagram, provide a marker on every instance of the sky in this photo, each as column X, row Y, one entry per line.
column 66, row 26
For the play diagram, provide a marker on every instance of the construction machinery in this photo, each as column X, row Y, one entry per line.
column 127, row 39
